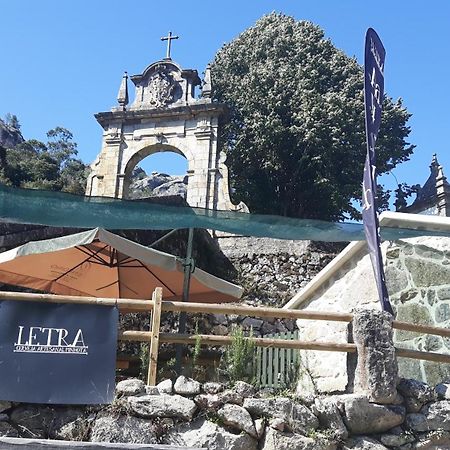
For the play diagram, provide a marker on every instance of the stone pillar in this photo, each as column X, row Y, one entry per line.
column 376, row 371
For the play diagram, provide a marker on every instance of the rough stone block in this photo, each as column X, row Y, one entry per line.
column 377, row 371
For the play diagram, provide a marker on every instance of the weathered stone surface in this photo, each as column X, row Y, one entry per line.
column 416, row 394
column 277, row 424
column 36, row 421
column 429, row 274
column 277, row 440
column 237, row 417
column 4, row 405
column 396, row 279
column 377, row 371
column 330, row 418
column 165, row 387
column 363, row 417
column 129, row 429
column 132, row 386
column 298, row 417
column 244, row 389
column 259, row 427
column 442, row 391
column 202, row 433
column 435, row 440
column 397, row 437
column 212, row 388
column 363, row 443
column 414, row 313
column 210, row 402
column 186, row 386
column 435, row 416
column 162, row 406
column 152, row 390
column 230, row 396
column 7, row 430
column 78, row 430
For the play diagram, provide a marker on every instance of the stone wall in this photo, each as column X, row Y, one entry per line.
column 418, row 273
column 418, row 281
column 218, row 417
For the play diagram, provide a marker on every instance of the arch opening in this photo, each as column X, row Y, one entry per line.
column 156, row 171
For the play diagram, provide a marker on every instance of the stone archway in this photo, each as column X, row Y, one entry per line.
column 140, row 155
column 165, row 115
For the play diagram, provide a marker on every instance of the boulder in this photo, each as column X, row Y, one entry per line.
column 122, row 428
column 165, row 387
column 186, row 386
column 238, row 418
column 163, row 405
column 78, row 430
column 416, row 394
column 4, row 405
column 435, row 440
column 260, row 427
column 329, row 418
column 277, row 440
column 244, row 389
column 442, row 391
column 36, row 421
column 397, row 437
column 363, row 417
column 6, row 430
column 298, row 417
column 210, row 402
column 212, row 388
column 230, row 396
column 363, row 443
column 132, row 386
column 432, row 417
column 203, row 433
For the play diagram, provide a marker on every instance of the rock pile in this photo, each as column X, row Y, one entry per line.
column 219, row 417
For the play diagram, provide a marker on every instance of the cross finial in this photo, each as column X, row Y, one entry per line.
column 169, row 40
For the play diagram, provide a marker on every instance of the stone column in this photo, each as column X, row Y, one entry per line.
column 376, row 371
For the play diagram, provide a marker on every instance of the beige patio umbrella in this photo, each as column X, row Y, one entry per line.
column 101, row 264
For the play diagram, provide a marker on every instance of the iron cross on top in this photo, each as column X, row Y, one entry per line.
column 169, row 39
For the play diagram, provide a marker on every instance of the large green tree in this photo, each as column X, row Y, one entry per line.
column 295, row 137
column 51, row 165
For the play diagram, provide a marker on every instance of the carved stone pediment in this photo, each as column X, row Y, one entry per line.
column 161, row 89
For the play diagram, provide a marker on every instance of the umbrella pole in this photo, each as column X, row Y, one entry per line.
column 185, row 298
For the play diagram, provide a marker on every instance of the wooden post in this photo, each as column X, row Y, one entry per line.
column 154, row 342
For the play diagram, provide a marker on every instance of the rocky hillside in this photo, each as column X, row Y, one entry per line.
column 9, row 136
column 157, row 184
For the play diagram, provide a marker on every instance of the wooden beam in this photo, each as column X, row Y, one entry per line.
column 417, row 328
column 212, row 308
column 427, row 356
column 172, row 338
column 132, row 305
column 154, row 340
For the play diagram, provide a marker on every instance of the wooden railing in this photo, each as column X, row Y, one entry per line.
column 157, row 306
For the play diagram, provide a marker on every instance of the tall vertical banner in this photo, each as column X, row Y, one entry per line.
column 373, row 99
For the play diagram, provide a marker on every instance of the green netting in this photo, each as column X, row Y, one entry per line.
column 66, row 210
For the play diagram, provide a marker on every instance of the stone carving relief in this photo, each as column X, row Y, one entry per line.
column 161, row 89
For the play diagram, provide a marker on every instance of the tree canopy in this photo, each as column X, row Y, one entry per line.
column 37, row 165
column 295, row 138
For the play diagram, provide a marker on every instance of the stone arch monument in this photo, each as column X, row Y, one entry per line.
column 164, row 116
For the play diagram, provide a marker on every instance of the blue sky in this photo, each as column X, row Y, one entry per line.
column 62, row 61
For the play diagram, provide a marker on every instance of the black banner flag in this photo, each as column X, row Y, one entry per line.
column 57, row 353
column 373, row 99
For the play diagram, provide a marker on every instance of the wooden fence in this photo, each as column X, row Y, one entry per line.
column 277, row 367
column 157, row 306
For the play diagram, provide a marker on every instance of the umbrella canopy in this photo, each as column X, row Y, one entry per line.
column 101, row 264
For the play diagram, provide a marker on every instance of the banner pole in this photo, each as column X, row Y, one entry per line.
column 186, row 287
